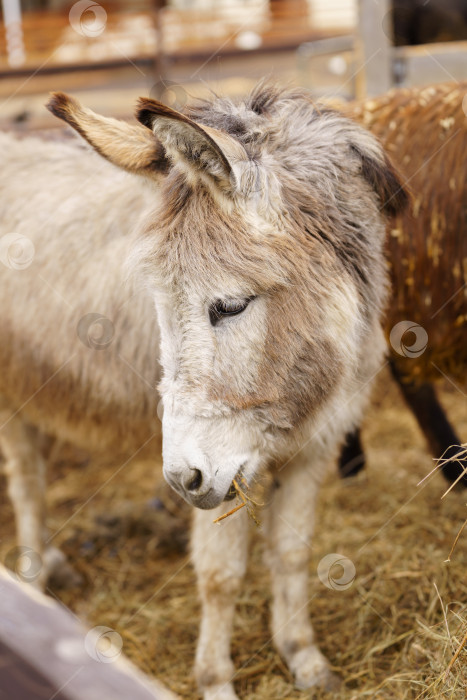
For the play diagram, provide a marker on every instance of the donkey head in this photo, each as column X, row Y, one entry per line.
column 264, row 257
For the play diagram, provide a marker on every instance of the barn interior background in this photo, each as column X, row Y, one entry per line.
column 395, row 630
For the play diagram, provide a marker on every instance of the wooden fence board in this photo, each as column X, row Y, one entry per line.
column 44, row 652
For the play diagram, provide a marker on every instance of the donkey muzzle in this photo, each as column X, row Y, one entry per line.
column 194, row 485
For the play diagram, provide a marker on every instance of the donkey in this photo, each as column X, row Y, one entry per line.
column 75, row 360
column 254, row 231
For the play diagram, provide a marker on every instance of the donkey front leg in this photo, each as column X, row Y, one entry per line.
column 289, row 529
column 219, row 553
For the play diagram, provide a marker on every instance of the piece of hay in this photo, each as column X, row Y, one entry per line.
column 246, row 500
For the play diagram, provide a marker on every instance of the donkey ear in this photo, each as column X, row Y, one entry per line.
column 380, row 173
column 128, row 146
column 203, row 150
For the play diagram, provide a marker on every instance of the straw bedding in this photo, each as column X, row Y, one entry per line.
column 390, row 635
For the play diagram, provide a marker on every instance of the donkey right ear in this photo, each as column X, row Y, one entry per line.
column 131, row 147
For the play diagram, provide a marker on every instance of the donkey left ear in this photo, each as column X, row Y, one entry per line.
column 126, row 145
column 380, row 173
column 201, row 149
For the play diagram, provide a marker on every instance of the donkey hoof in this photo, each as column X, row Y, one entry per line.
column 311, row 670
column 222, row 691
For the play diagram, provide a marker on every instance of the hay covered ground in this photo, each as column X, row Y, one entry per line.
column 392, row 634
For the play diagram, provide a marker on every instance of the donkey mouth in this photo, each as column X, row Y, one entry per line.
column 232, row 492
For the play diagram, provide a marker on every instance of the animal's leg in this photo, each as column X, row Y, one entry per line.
column 25, row 471
column 352, row 456
column 289, row 530
column 432, row 419
column 219, row 557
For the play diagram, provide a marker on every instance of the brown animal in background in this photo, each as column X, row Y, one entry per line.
column 425, row 132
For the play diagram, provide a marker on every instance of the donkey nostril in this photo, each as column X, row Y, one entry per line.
column 195, row 483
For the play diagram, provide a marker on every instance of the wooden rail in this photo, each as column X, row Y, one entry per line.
column 53, row 45
column 45, row 653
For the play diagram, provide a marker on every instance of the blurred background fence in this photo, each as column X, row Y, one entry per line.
column 170, row 49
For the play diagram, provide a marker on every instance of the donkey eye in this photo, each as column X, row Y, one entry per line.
column 228, row 307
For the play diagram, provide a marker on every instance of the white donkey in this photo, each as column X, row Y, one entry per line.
column 262, row 251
